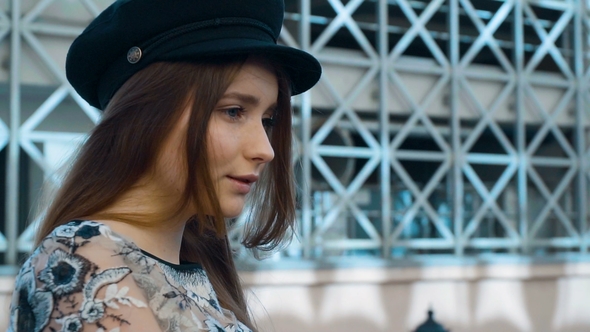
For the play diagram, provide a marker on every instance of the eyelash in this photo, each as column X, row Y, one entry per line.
column 266, row 122
column 239, row 111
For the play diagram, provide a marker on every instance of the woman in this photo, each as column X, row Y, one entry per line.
column 196, row 99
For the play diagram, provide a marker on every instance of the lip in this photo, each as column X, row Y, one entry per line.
column 243, row 183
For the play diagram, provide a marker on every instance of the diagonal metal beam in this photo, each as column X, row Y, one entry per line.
column 487, row 120
column 486, row 34
column 418, row 27
column 344, row 17
column 548, row 41
column 421, row 199
column 490, row 200
column 552, row 203
column 419, row 111
column 549, row 123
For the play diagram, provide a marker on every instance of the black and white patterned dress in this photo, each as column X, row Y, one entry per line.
column 85, row 277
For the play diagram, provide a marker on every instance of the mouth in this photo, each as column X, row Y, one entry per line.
column 246, row 179
column 243, row 183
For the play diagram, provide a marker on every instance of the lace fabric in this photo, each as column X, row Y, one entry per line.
column 85, row 277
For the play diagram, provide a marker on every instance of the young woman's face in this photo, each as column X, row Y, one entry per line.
column 238, row 144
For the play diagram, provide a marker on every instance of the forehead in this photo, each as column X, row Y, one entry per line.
column 256, row 77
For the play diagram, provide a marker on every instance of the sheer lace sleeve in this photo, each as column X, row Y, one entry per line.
column 75, row 282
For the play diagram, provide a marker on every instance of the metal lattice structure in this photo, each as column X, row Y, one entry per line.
column 439, row 127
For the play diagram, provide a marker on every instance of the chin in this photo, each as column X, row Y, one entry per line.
column 231, row 212
column 231, row 207
column 231, row 215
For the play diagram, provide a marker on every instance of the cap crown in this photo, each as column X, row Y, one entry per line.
column 176, row 30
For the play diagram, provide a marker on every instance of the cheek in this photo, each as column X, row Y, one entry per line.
column 219, row 158
column 221, row 143
column 214, row 152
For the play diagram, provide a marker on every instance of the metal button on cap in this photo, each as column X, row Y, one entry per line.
column 134, row 55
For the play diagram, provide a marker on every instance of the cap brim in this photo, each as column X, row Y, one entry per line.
column 304, row 70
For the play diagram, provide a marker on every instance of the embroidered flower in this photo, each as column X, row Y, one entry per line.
column 214, row 325
column 64, row 273
column 83, row 229
column 92, row 311
column 70, row 323
column 108, row 233
column 99, row 280
column 114, row 295
column 88, row 231
column 34, row 307
column 194, row 281
column 189, row 279
column 66, row 231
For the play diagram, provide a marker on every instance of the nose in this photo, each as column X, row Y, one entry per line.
column 258, row 147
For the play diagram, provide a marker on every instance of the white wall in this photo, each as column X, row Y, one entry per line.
column 6, row 287
column 506, row 298
column 493, row 298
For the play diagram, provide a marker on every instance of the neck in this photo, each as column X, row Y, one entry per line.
column 162, row 242
column 158, row 230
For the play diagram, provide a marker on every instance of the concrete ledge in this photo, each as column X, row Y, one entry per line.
column 6, row 285
column 387, row 275
column 412, row 274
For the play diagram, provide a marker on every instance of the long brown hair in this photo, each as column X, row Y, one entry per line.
column 125, row 145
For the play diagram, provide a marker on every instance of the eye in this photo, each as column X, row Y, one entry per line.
column 234, row 112
column 268, row 122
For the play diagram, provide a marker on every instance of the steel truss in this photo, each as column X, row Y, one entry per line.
column 439, row 127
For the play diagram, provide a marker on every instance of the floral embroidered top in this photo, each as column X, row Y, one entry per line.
column 85, row 277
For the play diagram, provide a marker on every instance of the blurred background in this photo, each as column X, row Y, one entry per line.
column 442, row 162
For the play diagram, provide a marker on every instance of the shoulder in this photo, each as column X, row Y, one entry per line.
column 76, row 235
column 88, row 240
column 75, row 280
column 72, row 253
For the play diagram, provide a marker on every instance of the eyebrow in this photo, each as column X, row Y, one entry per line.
column 248, row 99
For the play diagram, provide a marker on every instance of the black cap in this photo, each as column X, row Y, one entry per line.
column 131, row 34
